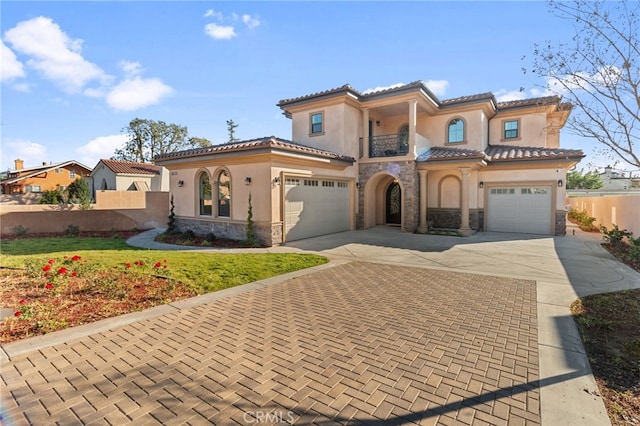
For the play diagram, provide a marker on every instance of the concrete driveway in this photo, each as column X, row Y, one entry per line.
column 397, row 329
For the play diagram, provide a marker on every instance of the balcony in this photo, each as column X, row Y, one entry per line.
column 388, row 145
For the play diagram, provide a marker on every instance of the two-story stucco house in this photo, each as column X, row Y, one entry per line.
column 398, row 157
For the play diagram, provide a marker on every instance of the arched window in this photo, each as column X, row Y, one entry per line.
column 403, row 138
column 224, row 194
column 455, row 131
column 206, row 202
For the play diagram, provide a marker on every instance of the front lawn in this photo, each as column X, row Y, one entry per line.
column 54, row 283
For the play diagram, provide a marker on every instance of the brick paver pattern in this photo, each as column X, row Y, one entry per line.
column 358, row 343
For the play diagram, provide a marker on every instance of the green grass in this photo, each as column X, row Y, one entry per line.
column 206, row 272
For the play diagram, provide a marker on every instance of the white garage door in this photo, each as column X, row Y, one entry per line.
column 524, row 209
column 315, row 207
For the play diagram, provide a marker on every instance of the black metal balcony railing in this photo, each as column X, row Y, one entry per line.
column 388, row 145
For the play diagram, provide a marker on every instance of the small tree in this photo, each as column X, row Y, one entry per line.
column 577, row 180
column 252, row 238
column 231, row 127
column 79, row 193
column 53, row 196
column 171, row 224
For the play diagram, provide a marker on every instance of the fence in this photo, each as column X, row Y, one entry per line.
column 113, row 210
column 619, row 209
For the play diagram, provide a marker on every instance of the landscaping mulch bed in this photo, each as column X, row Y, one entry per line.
column 201, row 241
column 39, row 310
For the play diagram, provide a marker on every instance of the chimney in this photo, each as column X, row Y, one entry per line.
column 19, row 164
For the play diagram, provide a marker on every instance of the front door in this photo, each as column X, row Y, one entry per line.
column 394, row 204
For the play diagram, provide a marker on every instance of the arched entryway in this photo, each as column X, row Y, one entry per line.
column 393, row 204
column 383, row 201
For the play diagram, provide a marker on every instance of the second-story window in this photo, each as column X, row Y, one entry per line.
column 317, row 123
column 72, row 174
column 455, row 131
column 511, row 129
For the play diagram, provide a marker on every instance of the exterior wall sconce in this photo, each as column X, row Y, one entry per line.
column 481, row 185
column 247, row 180
column 276, row 180
column 180, row 183
column 559, row 183
column 378, row 123
column 357, row 184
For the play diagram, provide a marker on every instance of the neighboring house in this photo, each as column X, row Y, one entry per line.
column 42, row 178
column 118, row 175
column 618, row 181
column 398, row 157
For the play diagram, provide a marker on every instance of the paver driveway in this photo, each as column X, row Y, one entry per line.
column 357, row 343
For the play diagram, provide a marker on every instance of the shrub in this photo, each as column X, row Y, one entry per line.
column 72, row 231
column 250, row 232
column 19, row 230
column 53, row 196
column 582, row 218
column 615, row 235
column 171, row 224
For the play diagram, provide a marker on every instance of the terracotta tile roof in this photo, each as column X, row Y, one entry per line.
column 511, row 153
column 255, row 144
column 344, row 88
column 543, row 101
column 497, row 153
column 488, row 96
column 131, row 168
column 447, row 153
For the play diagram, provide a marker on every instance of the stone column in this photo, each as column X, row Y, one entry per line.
column 423, row 228
column 413, row 115
column 365, row 133
column 465, row 230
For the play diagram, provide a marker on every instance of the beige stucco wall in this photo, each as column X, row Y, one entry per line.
column 114, row 210
column 533, row 130
column 266, row 195
column 621, row 210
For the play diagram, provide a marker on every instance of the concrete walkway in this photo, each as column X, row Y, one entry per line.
column 397, row 329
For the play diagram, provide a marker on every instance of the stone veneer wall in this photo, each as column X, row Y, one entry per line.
column 268, row 235
column 451, row 218
column 561, row 222
column 407, row 174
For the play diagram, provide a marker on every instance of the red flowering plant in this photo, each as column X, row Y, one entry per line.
column 68, row 291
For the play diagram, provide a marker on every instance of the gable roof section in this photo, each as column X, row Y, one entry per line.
column 420, row 86
column 34, row 171
column 500, row 153
column 271, row 143
column 131, row 168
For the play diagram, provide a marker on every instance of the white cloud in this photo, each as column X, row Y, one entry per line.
column 213, row 14
column 250, row 21
column 11, row 68
column 504, row 95
column 32, row 153
column 438, row 87
column 135, row 93
column 380, row 88
column 54, row 54
column 219, row 32
column 131, row 68
column 99, row 148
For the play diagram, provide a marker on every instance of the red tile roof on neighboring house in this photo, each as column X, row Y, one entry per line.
column 131, row 168
column 255, row 144
column 497, row 153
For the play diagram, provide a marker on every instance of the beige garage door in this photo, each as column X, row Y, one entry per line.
column 523, row 209
column 315, row 207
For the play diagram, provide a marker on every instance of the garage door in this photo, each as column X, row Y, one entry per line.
column 315, row 207
column 524, row 209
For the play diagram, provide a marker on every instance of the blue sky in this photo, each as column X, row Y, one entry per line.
column 74, row 74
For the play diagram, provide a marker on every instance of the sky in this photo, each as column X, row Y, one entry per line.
column 74, row 74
